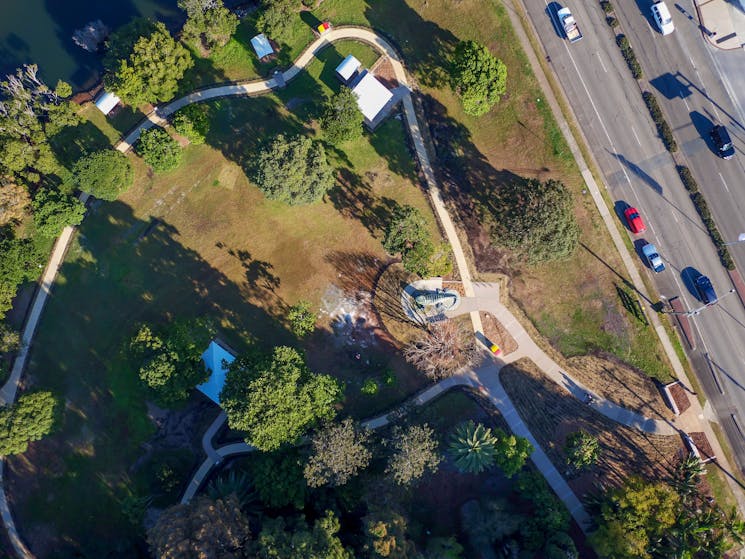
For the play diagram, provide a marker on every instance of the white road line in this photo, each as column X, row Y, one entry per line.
column 675, row 217
column 688, row 107
column 692, row 62
column 635, row 136
column 724, row 182
column 601, row 63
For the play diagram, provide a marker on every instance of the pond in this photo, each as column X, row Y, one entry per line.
column 40, row 31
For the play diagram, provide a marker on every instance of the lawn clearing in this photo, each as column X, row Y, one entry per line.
column 551, row 414
column 199, row 240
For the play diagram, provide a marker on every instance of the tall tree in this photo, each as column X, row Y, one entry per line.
column 536, row 220
column 209, row 23
column 29, row 419
column 407, row 233
column 21, row 262
column 302, row 319
column 275, row 399
column 151, row 71
column 171, row 358
column 159, row 149
column 53, row 211
column 30, row 113
column 193, row 122
column 414, row 453
column 276, row 18
column 632, row 517
column 342, row 118
column 473, row 447
column 278, row 477
column 339, row 453
column 202, row 528
column 293, row 170
column 14, row 203
column 479, row 78
column 105, row 174
column 442, row 349
column 385, row 535
column 293, row 539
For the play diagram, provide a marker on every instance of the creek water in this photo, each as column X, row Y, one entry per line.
column 40, row 32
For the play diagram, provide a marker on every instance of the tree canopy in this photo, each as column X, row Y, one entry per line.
column 479, row 78
column 473, row 447
column 442, row 349
column 209, row 23
column 278, row 477
column 512, row 452
column 342, row 119
column 29, row 419
column 283, row 538
column 202, row 528
column 104, row 174
column 293, row 170
column 53, row 211
column 302, row 319
column 21, row 261
column 414, row 453
column 193, row 122
column 407, row 234
column 276, row 18
column 150, row 72
column 582, row 450
column 30, row 113
column 275, row 398
column 536, row 220
column 159, row 149
column 171, row 358
column 339, row 453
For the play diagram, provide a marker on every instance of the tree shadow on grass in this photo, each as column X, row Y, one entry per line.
column 73, row 142
column 124, row 272
column 424, row 46
column 468, row 180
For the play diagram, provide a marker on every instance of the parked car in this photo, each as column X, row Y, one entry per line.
column 705, row 290
column 662, row 18
column 635, row 221
column 721, row 139
column 650, row 253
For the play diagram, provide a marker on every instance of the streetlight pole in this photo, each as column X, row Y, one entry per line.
column 703, row 307
column 740, row 239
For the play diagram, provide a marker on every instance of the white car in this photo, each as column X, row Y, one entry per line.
column 662, row 18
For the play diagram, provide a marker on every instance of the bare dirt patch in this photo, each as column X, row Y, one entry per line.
column 495, row 332
column 551, row 414
column 621, row 383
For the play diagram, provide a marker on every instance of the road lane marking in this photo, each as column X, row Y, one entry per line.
column 675, row 217
column 601, row 63
column 688, row 108
column 635, row 136
column 692, row 62
column 724, row 182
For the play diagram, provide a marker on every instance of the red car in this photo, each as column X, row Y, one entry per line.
column 636, row 224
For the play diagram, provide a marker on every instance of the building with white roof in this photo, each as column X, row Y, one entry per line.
column 348, row 68
column 106, row 102
column 372, row 97
column 261, row 45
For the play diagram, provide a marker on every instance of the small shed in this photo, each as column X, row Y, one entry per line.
column 216, row 360
column 106, row 102
column 261, row 45
column 347, row 70
column 372, row 96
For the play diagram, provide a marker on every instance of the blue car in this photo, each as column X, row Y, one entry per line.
column 705, row 290
column 650, row 253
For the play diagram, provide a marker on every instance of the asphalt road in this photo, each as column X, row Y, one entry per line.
column 684, row 73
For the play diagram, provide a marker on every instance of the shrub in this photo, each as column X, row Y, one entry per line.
column 629, row 56
column 612, row 21
column 688, row 181
column 159, row 149
column 703, row 210
column 192, row 122
column 302, row 319
column 607, row 6
column 663, row 128
column 370, row 387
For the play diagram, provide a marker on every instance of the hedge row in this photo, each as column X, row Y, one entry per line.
column 612, row 21
column 703, row 210
column 607, row 7
column 629, row 56
column 663, row 128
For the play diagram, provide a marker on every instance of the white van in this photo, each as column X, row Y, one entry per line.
column 662, row 18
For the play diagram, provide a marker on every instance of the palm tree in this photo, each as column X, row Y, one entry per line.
column 686, row 476
column 236, row 482
column 473, row 447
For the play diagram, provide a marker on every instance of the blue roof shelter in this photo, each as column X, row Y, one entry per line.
column 216, row 360
column 261, row 45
